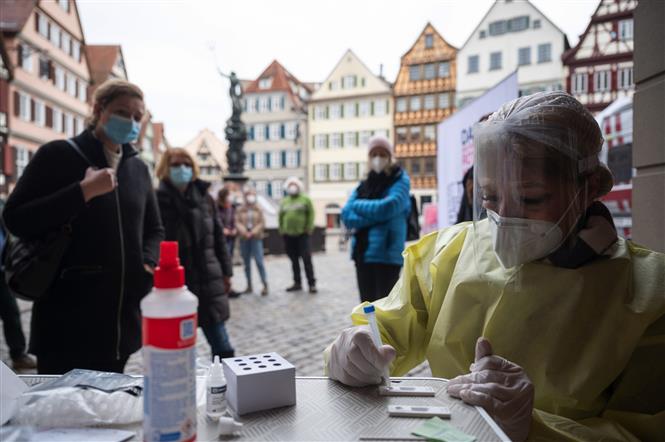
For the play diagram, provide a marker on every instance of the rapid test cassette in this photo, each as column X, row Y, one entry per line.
column 406, row 390
column 259, row 382
column 418, row 411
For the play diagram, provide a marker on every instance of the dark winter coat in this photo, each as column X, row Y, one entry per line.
column 191, row 219
column 93, row 305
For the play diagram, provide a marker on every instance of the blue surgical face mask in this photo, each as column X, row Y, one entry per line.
column 180, row 176
column 121, row 130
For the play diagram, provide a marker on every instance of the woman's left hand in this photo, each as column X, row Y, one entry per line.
column 149, row 269
column 501, row 387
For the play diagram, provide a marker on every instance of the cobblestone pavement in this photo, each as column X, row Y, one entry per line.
column 298, row 325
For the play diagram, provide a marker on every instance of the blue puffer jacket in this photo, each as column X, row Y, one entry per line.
column 386, row 219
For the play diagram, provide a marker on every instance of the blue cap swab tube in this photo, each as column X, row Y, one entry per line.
column 376, row 337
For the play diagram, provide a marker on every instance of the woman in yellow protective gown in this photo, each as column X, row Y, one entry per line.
column 572, row 317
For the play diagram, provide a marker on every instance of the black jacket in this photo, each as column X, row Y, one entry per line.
column 191, row 219
column 93, row 305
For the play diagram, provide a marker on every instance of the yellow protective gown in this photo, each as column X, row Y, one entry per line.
column 591, row 339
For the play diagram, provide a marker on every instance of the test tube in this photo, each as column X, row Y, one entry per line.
column 376, row 337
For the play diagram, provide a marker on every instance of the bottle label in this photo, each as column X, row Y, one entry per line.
column 216, row 399
column 169, row 352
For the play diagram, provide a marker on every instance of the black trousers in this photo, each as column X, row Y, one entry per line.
column 53, row 363
column 298, row 247
column 376, row 280
column 11, row 320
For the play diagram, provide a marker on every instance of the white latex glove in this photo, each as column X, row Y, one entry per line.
column 501, row 387
column 354, row 359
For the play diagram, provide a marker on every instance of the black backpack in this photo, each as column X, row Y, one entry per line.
column 412, row 224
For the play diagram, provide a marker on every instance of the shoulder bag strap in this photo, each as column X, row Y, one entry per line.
column 78, row 150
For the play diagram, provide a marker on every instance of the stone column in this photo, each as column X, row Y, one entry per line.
column 649, row 125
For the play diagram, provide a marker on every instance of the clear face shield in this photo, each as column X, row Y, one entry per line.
column 529, row 193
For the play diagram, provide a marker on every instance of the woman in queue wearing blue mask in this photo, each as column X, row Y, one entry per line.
column 190, row 217
column 89, row 317
column 536, row 311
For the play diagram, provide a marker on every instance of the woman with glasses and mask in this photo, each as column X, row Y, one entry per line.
column 377, row 211
column 90, row 317
column 190, row 217
column 538, row 312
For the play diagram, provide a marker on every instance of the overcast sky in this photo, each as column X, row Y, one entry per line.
column 167, row 43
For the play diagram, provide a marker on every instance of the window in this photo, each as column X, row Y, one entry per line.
column 544, row 53
column 415, row 133
column 22, row 160
column 580, row 83
column 415, row 103
column 495, row 61
column 264, row 104
column 626, row 30
column 83, row 91
column 524, row 56
column 401, row 134
column 601, row 81
column 415, row 166
column 482, row 34
column 536, row 24
column 59, row 78
column 414, row 72
column 55, row 35
column 24, row 110
column 277, row 103
column 259, row 132
column 261, row 187
column 429, row 41
column 518, row 24
column 42, row 25
column 350, row 171
column 277, row 191
column 291, row 159
column 349, row 139
column 43, row 68
column 320, row 172
column 275, row 159
column 364, row 108
column 380, row 108
column 275, row 131
column 320, row 141
column 76, row 50
column 320, row 113
column 364, row 137
column 40, row 113
column 71, row 85
column 25, row 57
column 335, row 172
column 333, row 85
column 291, row 130
column 259, row 160
column 400, row 104
column 498, row 27
column 335, row 111
column 430, row 165
column 349, row 109
column 66, row 42
column 69, row 125
column 57, row 119
column 626, row 78
column 444, row 69
column 336, row 140
column 472, row 64
column 429, row 133
column 265, row 83
column 430, row 102
column 430, row 71
column 64, row 4
column 349, row 81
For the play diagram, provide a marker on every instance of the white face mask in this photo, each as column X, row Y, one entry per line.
column 293, row 190
column 519, row 240
column 251, row 199
column 378, row 164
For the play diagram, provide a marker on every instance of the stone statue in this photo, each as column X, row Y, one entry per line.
column 236, row 132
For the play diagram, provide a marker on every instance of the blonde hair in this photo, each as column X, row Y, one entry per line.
column 109, row 91
column 162, row 169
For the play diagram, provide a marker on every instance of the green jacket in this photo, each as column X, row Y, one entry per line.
column 296, row 215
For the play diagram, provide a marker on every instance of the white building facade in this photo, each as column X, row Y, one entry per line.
column 350, row 106
column 276, row 120
column 512, row 35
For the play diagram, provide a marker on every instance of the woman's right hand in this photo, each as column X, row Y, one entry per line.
column 97, row 182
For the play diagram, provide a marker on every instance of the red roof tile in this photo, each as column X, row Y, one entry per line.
column 101, row 59
column 15, row 13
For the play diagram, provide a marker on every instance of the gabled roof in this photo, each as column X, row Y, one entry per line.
column 102, row 59
column 281, row 82
column 216, row 146
column 15, row 13
column 428, row 26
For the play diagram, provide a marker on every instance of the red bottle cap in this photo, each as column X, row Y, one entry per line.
column 169, row 274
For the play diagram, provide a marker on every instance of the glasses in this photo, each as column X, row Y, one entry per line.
column 179, row 164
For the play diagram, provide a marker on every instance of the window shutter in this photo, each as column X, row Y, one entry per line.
column 269, row 188
column 32, row 110
column 17, row 104
column 357, row 139
column 252, row 160
column 49, row 116
column 341, row 139
column 371, row 108
column 75, row 125
column 48, row 30
column 63, row 122
column 327, row 112
column 76, row 88
column 19, row 54
column 51, row 71
column 268, row 160
column 327, row 143
column 266, row 132
column 298, row 158
column 387, row 107
column 282, row 131
column 341, row 110
column 251, row 132
column 357, row 109
column 283, row 158
column 269, row 102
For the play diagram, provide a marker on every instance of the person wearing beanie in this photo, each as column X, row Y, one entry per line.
column 377, row 212
column 296, row 222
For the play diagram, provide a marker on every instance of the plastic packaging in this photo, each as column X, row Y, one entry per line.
column 82, row 398
column 215, row 390
column 169, row 348
column 227, row 426
column 376, row 337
